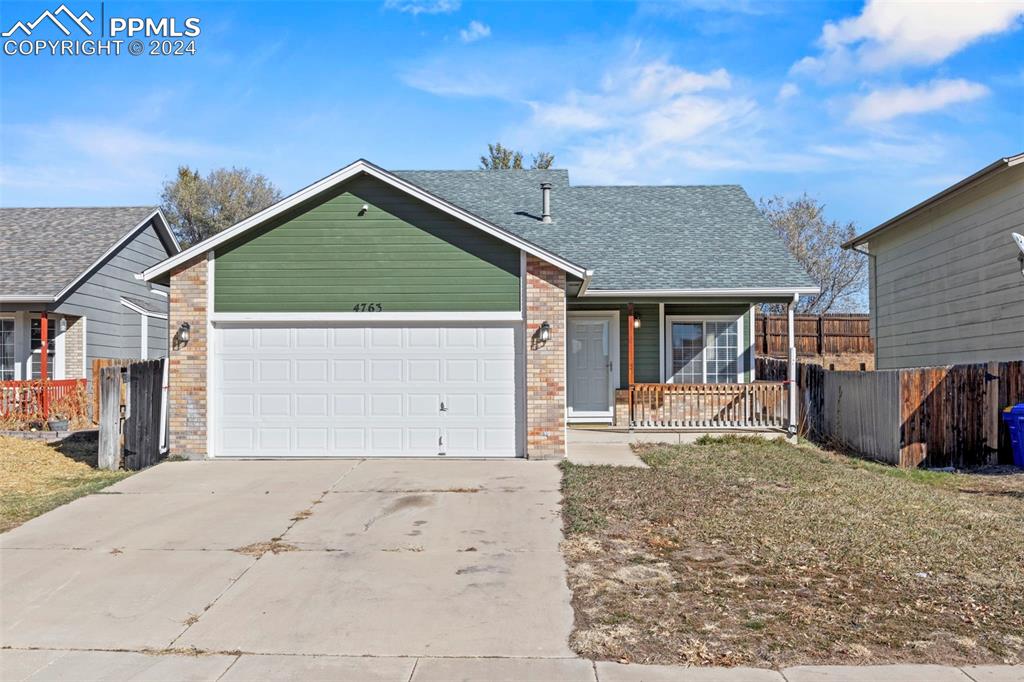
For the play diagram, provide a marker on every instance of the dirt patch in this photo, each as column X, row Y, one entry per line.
column 749, row 552
column 36, row 477
column 274, row 546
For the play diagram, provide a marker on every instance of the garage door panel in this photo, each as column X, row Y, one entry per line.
column 350, row 405
column 365, row 391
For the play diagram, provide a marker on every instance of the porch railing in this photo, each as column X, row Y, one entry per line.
column 34, row 399
column 761, row 404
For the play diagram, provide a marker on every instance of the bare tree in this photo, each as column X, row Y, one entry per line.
column 199, row 207
column 499, row 157
column 817, row 245
column 543, row 160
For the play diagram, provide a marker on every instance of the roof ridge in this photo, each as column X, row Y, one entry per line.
column 725, row 184
column 51, row 208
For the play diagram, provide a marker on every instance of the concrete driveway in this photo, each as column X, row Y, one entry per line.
column 398, row 559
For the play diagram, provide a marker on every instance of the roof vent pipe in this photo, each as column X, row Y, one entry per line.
column 545, row 194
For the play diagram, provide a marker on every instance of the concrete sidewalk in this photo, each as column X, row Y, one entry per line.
column 48, row 664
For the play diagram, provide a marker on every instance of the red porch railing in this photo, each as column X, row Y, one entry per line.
column 34, row 399
column 760, row 404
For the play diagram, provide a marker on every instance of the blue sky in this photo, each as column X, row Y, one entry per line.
column 868, row 107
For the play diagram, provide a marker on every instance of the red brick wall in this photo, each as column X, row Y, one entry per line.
column 187, row 373
column 545, row 363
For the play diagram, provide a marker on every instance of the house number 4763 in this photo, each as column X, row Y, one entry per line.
column 368, row 307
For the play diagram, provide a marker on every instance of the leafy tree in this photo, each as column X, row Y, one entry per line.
column 816, row 243
column 199, row 207
column 499, row 157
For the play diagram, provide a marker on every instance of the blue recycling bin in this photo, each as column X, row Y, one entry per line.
column 1014, row 418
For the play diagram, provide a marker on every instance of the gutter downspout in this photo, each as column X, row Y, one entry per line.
column 872, row 291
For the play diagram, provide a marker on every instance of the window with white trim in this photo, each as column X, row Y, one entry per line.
column 703, row 351
column 6, row 349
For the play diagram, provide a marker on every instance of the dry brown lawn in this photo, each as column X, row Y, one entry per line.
column 36, row 477
column 741, row 551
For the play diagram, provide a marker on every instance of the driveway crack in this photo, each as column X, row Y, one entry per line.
column 304, row 514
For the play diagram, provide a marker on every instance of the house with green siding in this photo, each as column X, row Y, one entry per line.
column 471, row 314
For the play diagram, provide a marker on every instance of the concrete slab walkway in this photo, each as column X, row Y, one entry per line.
column 89, row 666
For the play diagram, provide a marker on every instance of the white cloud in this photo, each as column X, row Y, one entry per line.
column 416, row 7
column 787, row 91
column 889, row 34
column 67, row 154
column 887, row 104
column 474, row 32
column 642, row 119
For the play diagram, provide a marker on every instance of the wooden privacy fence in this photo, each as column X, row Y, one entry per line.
column 131, row 400
column 97, row 365
column 38, row 399
column 814, row 335
column 760, row 404
column 928, row 416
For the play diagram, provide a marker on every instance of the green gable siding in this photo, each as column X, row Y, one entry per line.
column 401, row 253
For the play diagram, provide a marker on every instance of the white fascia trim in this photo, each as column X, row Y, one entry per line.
column 651, row 293
column 511, row 316
column 142, row 311
column 161, row 224
column 349, row 171
column 587, row 276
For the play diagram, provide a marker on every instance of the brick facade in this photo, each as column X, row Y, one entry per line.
column 74, row 348
column 545, row 362
column 187, row 373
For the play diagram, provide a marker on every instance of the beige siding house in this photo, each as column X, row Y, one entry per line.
column 946, row 282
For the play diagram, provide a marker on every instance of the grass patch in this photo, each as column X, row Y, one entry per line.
column 744, row 551
column 36, row 477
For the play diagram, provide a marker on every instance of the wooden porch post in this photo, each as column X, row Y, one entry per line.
column 791, row 369
column 630, row 352
column 43, row 358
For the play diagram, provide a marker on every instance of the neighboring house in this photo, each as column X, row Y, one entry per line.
column 946, row 284
column 75, row 269
column 464, row 313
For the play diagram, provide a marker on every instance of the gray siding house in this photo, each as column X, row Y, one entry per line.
column 946, row 281
column 76, row 269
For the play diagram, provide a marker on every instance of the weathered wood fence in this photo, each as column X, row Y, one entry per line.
column 131, row 400
column 814, row 335
column 929, row 416
column 97, row 365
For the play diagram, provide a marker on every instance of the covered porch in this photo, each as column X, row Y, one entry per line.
column 42, row 361
column 674, row 364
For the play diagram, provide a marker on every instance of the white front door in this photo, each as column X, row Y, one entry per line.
column 591, row 355
column 382, row 390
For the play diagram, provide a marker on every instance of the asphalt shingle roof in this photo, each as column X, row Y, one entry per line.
column 633, row 237
column 42, row 250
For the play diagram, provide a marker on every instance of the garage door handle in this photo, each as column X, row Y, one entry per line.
column 443, row 408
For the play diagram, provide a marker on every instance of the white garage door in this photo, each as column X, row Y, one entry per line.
column 321, row 391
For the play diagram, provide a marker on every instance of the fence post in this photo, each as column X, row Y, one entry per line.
column 991, row 412
column 821, row 334
column 791, row 370
column 109, row 381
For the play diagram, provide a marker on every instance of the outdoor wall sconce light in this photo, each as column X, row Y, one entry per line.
column 544, row 333
column 181, row 336
column 636, row 322
column 63, row 324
